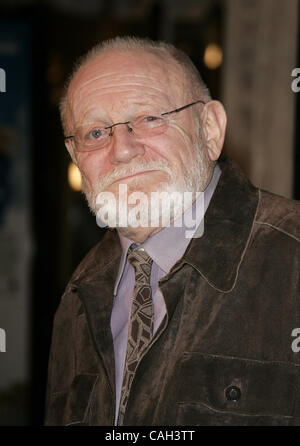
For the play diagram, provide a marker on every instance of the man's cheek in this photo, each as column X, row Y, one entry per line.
column 87, row 178
column 182, row 136
column 90, row 169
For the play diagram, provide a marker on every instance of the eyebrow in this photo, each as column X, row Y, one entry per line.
column 93, row 115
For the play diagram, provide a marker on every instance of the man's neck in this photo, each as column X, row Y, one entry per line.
column 139, row 235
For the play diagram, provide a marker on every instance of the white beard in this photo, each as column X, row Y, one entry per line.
column 193, row 180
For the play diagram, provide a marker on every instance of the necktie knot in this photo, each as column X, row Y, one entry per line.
column 142, row 263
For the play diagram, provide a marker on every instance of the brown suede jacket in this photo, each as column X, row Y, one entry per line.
column 223, row 354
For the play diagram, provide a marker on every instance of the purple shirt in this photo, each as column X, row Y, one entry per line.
column 165, row 247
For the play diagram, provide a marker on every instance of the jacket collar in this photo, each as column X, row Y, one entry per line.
column 228, row 224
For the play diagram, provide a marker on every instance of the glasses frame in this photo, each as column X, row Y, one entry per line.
column 128, row 122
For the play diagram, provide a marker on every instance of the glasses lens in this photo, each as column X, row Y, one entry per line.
column 90, row 137
column 96, row 136
column 149, row 125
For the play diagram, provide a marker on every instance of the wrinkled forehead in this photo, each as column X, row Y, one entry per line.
column 117, row 71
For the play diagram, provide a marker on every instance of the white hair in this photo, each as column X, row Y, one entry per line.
column 197, row 90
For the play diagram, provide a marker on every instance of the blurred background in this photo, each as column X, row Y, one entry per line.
column 246, row 51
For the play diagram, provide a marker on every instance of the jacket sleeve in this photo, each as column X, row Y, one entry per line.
column 61, row 364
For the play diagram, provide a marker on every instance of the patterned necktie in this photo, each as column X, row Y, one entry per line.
column 141, row 322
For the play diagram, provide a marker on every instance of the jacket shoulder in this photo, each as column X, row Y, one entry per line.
column 280, row 213
column 106, row 250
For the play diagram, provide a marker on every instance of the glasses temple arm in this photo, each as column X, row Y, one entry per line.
column 182, row 108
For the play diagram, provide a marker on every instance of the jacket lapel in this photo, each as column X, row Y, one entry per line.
column 95, row 285
column 228, row 224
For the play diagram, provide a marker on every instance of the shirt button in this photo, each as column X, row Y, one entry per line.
column 233, row 393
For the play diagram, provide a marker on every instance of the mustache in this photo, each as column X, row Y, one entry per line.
column 142, row 166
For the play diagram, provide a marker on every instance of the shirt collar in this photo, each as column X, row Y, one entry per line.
column 167, row 246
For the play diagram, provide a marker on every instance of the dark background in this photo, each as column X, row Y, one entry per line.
column 62, row 227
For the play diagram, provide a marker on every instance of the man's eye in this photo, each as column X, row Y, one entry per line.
column 150, row 118
column 95, row 134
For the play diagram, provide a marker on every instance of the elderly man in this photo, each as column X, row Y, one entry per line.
column 157, row 328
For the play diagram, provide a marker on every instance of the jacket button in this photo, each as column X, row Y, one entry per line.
column 233, row 393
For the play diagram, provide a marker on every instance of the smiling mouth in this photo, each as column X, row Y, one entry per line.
column 135, row 175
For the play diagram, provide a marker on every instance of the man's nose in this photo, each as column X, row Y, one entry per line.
column 124, row 145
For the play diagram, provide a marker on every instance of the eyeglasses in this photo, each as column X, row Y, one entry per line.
column 95, row 136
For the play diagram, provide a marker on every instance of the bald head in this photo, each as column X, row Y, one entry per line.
column 176, row 64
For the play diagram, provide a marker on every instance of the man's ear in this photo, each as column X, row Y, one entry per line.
column 214, row 127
